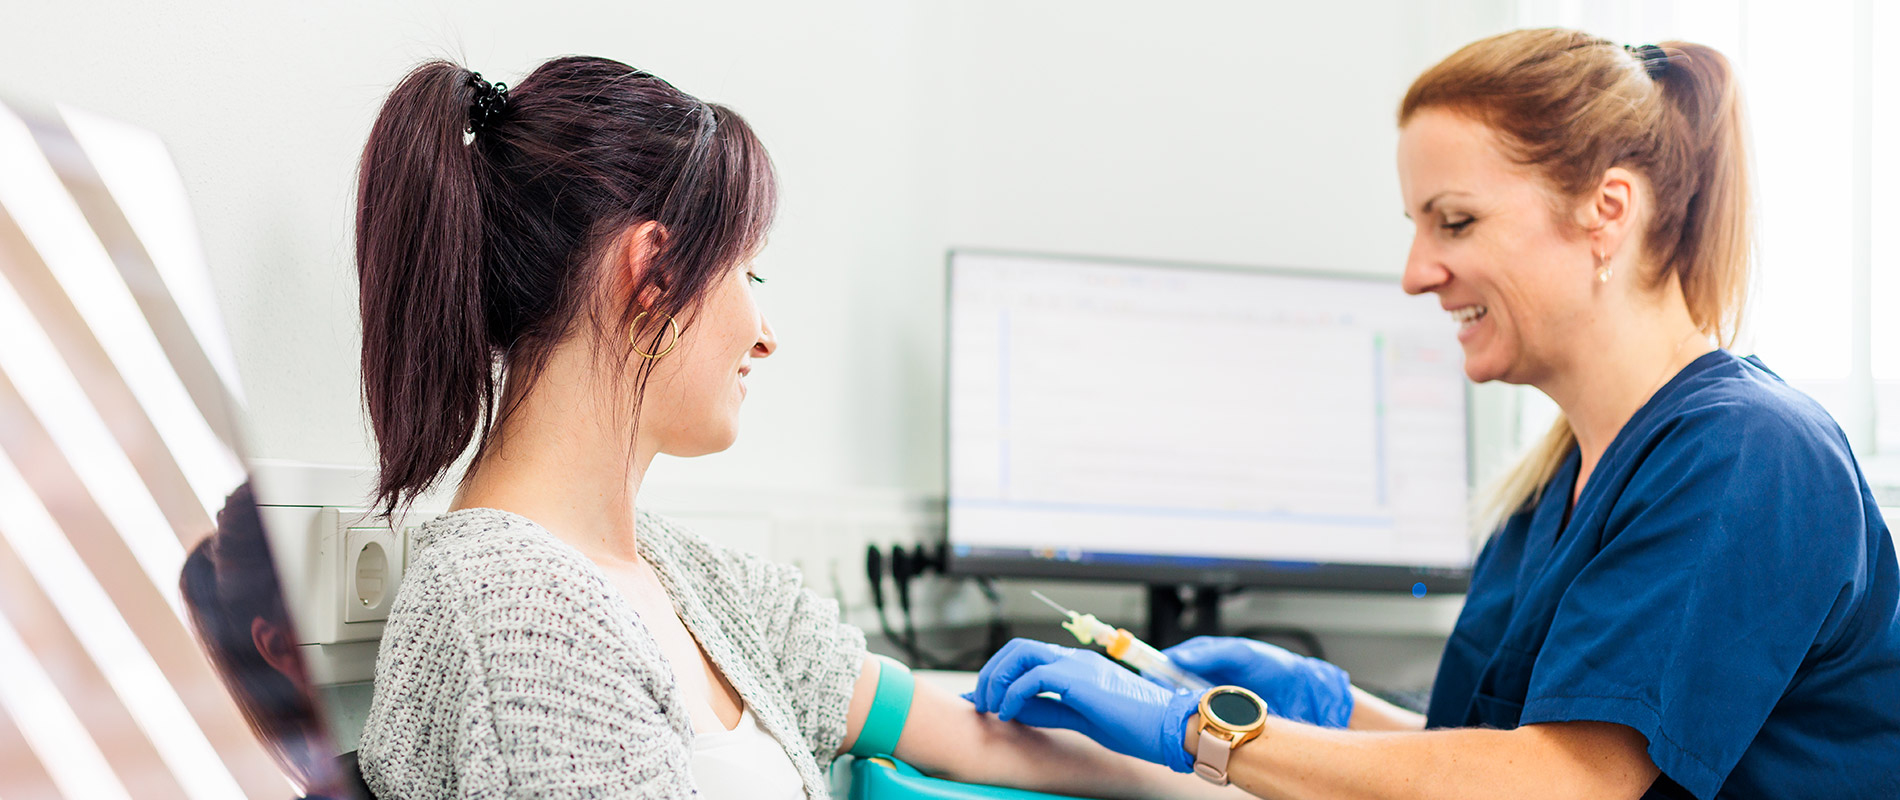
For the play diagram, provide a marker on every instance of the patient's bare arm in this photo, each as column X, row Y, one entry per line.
column 945, row 736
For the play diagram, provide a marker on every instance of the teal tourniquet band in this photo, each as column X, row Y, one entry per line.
column 889, row 708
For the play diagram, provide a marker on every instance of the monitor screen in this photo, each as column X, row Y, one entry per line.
column 1175, row 424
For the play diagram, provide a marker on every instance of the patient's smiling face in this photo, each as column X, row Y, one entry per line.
column 1515, row 278
column 692, row 402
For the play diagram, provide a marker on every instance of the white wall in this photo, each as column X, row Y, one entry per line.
column 1240, row 132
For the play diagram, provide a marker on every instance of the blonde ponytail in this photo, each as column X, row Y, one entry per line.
column 1523, row 485
column 1572, row 106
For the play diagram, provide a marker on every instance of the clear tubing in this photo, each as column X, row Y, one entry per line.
column 1124, row 647
column 1155, row 666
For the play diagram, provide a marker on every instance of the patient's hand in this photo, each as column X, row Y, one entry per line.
column 945, row 736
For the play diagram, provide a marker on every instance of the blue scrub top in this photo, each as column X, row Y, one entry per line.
column 1725, row 585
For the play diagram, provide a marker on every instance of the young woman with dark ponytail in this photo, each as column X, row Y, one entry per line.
column 556, row 277
column 1690, row 591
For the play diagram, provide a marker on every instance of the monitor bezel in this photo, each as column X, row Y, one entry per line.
column 1382, row 578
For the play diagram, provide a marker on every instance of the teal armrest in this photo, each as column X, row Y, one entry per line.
column 886, row 778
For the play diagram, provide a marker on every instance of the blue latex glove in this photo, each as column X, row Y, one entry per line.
column 1100, row 699
column 1295, row 687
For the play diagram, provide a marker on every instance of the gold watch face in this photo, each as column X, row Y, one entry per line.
column 1233, row 708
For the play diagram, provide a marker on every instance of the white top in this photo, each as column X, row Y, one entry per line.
column 745, row 762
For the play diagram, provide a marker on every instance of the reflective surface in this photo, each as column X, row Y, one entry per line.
column 145, row 647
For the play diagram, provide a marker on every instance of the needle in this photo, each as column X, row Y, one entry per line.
column 1052, row 603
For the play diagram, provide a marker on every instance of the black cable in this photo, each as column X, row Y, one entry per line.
column 874, row 569
column 903, row 567
column 906, row 565
column 997, row 632
column 902, row 570
column 996, row 635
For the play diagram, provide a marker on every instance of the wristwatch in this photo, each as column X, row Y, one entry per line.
column 1230, row 717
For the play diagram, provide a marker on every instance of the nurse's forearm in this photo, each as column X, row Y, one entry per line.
column 1369, row 713
column 946, row 737
column 1292, row 761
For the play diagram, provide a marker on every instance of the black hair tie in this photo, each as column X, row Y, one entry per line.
column 488, row 104
column 1655, row 59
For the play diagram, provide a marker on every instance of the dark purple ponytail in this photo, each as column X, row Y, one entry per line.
column 477, row 250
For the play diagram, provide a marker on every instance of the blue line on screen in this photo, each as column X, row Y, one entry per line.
column 1194, row 561
column 1107, row 557
column 1164, row 511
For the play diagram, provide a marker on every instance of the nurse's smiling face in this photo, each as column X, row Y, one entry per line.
column 1513, row 276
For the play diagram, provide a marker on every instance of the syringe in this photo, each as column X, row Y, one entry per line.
column 1124, row 647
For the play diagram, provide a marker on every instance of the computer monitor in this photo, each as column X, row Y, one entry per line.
column 1206, row 426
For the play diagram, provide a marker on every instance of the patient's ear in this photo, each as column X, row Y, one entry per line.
column 631, row 263
column 274, row 644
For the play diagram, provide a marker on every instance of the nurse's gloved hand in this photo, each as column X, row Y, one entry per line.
column 1099, row 699
column 1295, row 687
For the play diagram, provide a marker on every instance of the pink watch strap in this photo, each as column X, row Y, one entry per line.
column 1210, row 756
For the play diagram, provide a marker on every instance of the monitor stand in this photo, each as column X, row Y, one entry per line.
column 1166, row 607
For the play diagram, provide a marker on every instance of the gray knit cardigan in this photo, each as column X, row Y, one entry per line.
column 510, row 668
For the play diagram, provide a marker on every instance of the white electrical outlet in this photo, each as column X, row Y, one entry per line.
column 371, row 571
column 341, row 568
column 350, row 539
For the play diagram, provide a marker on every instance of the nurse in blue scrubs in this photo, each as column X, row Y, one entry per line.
column 1689, row 591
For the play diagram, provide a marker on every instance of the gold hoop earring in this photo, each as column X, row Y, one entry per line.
column 1603, row 268
column 633, row 332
